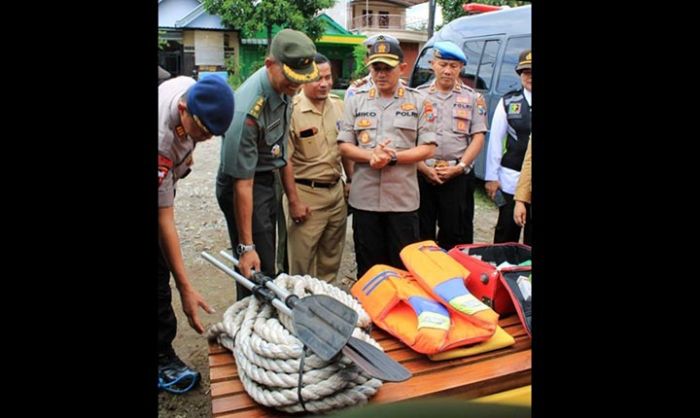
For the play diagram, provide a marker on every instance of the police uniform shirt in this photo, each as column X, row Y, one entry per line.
column 174, row 146
column 407, row 120
column 256, row 141
column 459, row 115
column 313, row 146
column 494, row 170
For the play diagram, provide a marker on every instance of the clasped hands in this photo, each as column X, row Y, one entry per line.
column 381, row 155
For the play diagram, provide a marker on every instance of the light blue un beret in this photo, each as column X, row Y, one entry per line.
column 448, row 51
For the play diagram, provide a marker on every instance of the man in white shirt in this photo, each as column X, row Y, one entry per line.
column 504, row 159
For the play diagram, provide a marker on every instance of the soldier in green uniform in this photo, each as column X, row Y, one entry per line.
column 255, row 145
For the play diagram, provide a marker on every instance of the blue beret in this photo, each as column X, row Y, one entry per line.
column 211, row 100
column 448, row 51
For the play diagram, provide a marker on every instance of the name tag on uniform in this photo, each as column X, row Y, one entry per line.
column 273, row 125
column 308, row 132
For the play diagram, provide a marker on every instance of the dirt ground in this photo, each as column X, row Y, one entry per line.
column 202, row 227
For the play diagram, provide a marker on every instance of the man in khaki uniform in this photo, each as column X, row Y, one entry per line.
column 387, row 128
column 446, row 181
column 315, row 208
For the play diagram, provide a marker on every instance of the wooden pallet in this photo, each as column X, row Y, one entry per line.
column 466, row 378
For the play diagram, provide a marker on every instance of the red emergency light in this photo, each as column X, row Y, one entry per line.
column 479, row 8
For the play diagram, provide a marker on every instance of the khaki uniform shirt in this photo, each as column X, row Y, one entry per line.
column 523, row 191
column 459, row 115
column 256, row 141
column 174, row 146
column 313, row 146
column 408, row 120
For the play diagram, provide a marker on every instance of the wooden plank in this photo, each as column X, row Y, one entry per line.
column 225, row 388
column 465, row 377
column 221, row 359
column 223, row 372
column 469, row 379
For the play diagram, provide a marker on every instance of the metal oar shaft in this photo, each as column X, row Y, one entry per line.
column 282, row 293
column 245, row 282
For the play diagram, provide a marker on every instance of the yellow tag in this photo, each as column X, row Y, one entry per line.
column 363, row 123
column 258, row 107
column 400, row 91
column 468, row 304
column 408, row 106
column 433, row 320
column 372, row 92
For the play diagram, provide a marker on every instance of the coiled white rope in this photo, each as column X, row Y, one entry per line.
column 268, row 355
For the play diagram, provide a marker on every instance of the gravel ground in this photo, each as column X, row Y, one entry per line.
column 202, row 227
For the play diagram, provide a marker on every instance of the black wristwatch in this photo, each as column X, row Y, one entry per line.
column 242, row 248
column 393, row 159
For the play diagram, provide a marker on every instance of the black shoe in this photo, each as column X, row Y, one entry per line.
column 175, row 376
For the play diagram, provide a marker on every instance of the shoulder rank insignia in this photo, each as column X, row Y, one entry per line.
column 257, row 108
column 372, row 92
column 400, row 92
column 360, row 82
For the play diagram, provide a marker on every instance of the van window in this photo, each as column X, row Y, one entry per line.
column 508, row 79
column 481, row 60
column 423, row 72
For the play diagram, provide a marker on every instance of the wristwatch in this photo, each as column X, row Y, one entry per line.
column 393, row 159
column 243, row 248
column 464, row 166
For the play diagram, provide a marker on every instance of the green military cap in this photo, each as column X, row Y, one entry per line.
column 295, row 51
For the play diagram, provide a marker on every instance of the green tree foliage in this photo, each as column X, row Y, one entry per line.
column 452, row 9
column 251, row 16
column 359, row 53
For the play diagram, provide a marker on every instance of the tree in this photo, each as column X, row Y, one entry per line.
column 452, row 9
column 251, row 16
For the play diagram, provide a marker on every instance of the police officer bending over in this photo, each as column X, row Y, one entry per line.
column 255, row 145
column 446, row 181
column 188, row 113
column 387, row 128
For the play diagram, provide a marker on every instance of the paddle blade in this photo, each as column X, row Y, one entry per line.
column 375, row 362
column 323, row 324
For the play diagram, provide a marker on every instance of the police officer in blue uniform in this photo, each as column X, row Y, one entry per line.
column 188, row 113
column 256, row 145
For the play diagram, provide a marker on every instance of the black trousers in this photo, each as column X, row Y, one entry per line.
column 167, row 322
column 506, row 228
column 451, row 205
column 380, row 236
column 264, row 220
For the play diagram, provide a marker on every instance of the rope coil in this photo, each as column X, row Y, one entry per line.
column 268, row 356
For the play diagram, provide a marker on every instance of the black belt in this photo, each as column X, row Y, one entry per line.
column 314, row 183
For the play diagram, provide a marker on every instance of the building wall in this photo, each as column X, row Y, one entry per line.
column 410, row 54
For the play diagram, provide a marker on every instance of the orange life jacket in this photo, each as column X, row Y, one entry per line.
column 397, row 303
column 443, row 278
